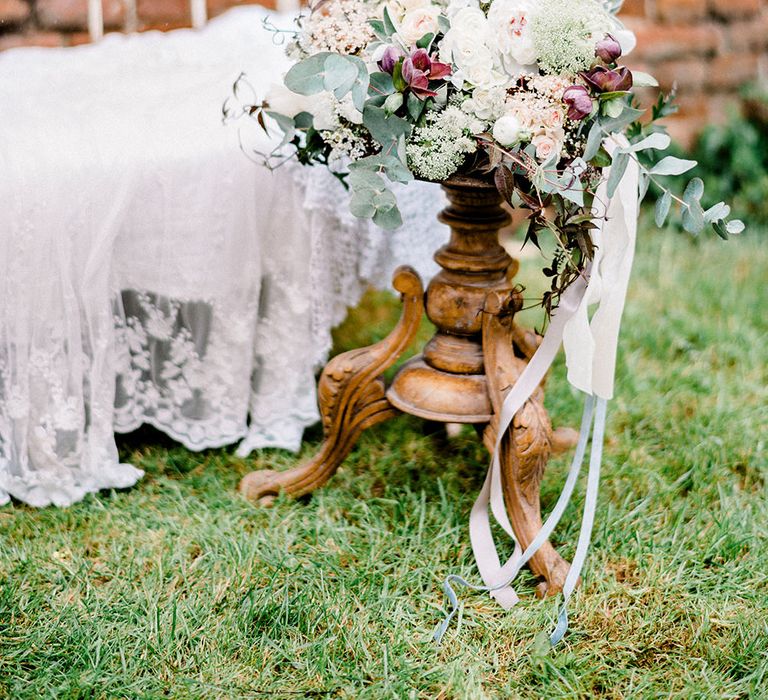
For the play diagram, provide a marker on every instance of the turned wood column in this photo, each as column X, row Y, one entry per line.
column 447, row 381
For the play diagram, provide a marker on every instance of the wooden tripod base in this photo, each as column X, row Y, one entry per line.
column 462, row 376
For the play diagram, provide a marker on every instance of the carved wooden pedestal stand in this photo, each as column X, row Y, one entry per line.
column 462, row 375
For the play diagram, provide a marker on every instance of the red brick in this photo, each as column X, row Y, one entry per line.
column 158, row 12
column 13, row 41
column 73, row 14
column 735, row 8
column 166, row 26
column 729, row 71
column 216, row 7
column 684, row 130
column 690, row 74
column 676, row 10
column 659, row 43
column 633, row 8
column 749, row 34
column 13, row 12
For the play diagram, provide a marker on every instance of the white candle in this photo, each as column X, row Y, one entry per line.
column 198, row 12
column 95, row 20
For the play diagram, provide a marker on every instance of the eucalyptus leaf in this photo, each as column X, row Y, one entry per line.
column 361, row 203
column 388, row 219
column 380, row 84
column 642, row 186
column 385, row 129
column 340, row 75
column 663, row 205
column 613, row 108
column 389, row 25
column 602, row 159
column 657, row 141
column 718, row 212
column 735, row 227
column 285, row 124
column 615, row 124
column 360, row 88
column 307, row 77
column 594, row 142
column 618, row 168
column 384, row 200
column 720, row 229
column 303, row 120
column 393, row 102
column 391, row 165
column 693, row 217
column 415, row 106
column 694, row 190
column 670, row 165
column 365, row 180
column 641, row 80
column 378, row 29
column 425, row 42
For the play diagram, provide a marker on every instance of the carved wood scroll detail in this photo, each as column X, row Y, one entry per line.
column 351, row 394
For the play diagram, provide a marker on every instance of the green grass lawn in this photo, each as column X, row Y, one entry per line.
column 180, row 588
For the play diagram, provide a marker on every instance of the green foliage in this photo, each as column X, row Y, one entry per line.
column 179, row 588
column 733, row 164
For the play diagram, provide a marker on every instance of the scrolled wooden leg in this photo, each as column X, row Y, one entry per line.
column 351, row 394
column 528, row 445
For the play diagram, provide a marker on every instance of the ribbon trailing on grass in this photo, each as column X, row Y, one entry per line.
column 590, row 351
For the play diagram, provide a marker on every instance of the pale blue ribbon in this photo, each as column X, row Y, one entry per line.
column 594, row 408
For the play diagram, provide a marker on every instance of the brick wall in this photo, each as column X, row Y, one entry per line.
column 64, row 22
column 709, row 47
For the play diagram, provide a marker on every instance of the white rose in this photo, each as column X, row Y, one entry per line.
column 510, row 23
column 486, row 103
column 454, row 6
column 548, row 144
column 475, row 63
column 281, row 99
column 468, row 24
column 417, row 23
column 467, row 46
column 400, row 8
column 508, row 130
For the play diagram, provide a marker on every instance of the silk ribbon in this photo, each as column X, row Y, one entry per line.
column 590, row 347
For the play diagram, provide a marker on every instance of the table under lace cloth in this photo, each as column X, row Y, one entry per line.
column 150, row 272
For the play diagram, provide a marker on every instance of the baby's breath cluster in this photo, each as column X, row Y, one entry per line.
column 563, row 33
column 339, row 26
column 440, row 147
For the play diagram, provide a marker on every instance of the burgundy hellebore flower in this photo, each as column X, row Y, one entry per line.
column 416, row 79
column 608, row 49
column 606, row 80
column 579, row 102
column 389, row 58
column 420, row 59
column 419, row 69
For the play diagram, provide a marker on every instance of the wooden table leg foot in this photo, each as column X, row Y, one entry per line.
column 351, row 394
column 525, row 450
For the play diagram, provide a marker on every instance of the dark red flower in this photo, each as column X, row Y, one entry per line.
column 579, row 102
column 608, row 49
column 607, row 80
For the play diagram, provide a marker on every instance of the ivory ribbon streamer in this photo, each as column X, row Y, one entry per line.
column 590, row 349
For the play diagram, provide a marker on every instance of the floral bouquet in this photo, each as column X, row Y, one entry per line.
column 528, row 92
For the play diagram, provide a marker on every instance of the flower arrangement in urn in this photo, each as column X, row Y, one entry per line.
column 532, row 93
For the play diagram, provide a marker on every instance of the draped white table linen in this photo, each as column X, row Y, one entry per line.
column 150, row 272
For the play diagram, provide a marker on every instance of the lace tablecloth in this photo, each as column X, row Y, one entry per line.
column 150, row 272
